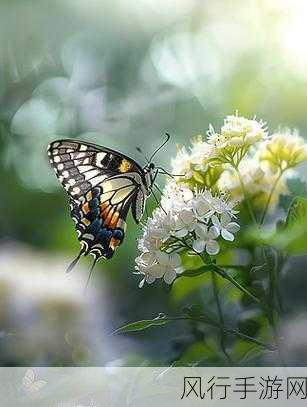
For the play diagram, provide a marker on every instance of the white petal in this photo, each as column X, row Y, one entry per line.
column 149, row 279
column 225, row 219
column 199, row 245
column 227, row 235
column 175, row 260
column 181, row 233
column 202, row 207
column 147, row 258
column 212, row 247
column 186, row 216
column 170, row 276
column 201, row 230
column 216, row 222
column 163, row 258
column 214, row 232
column 233, row 227
column 156, row 271
column 179, row 270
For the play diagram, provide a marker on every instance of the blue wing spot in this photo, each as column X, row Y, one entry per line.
column 118, row 234
column 94, row 226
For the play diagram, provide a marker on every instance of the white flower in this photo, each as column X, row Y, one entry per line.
column 202, row 205
column 181, row 164
column 222, row 205
column 226, row 227
column 168, row 266
column 201, row 152
column 165, row 265
column 185, row 222
column 185, row 219
column 238, row 131
column 206, row 239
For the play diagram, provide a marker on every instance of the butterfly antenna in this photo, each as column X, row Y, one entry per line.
column 163, row 171
column 161, row 146
column 74, row 262
column 90, row 273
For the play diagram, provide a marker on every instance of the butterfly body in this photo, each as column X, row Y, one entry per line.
column 103, row 185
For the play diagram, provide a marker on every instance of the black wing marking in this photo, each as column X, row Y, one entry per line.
column 81, row 166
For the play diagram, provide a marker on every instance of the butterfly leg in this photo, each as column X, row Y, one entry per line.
column 91, row 272
column 156, row 199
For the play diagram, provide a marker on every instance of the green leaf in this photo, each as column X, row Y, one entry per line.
column 243, row 352
column 198, row 178
column 292, row 236
column 297, row 211
column 200, row 352
column 141, row 325
column 296, row 187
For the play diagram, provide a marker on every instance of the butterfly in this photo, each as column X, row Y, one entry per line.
column 29, row 384
column 102, row 185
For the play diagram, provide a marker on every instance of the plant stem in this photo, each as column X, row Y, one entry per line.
column 272, row 299
column 222, row 273
column 221, row 317
column 234, row 332
column 246, row 197
column 270, row 196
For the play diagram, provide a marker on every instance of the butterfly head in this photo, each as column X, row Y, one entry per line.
column 150, row 173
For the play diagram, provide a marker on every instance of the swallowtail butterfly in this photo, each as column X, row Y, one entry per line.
column 102, row 185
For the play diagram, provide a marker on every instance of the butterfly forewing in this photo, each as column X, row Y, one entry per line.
column 102, row 184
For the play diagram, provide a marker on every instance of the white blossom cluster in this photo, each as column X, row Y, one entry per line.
column 186, row 220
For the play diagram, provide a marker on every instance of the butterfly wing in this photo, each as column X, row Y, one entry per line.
column 102, row 184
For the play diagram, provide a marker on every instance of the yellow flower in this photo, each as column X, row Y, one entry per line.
column 258, row 183
column 284, row 150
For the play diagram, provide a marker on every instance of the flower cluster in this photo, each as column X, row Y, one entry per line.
column 236, row 137
column 207, row 159
column 187, row 220
column 283, row 150
column 258, row 181
column 240, row 163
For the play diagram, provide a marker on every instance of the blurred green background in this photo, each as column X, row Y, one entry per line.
column 119, row 73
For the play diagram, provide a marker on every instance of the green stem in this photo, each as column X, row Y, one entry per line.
column 270, row 196
column 221, row 318
column 222, row 273
column 271, row 309
column 234, row 332
column 246, row 197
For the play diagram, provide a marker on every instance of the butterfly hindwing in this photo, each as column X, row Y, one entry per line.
column 100, row 224
column 102, row 185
